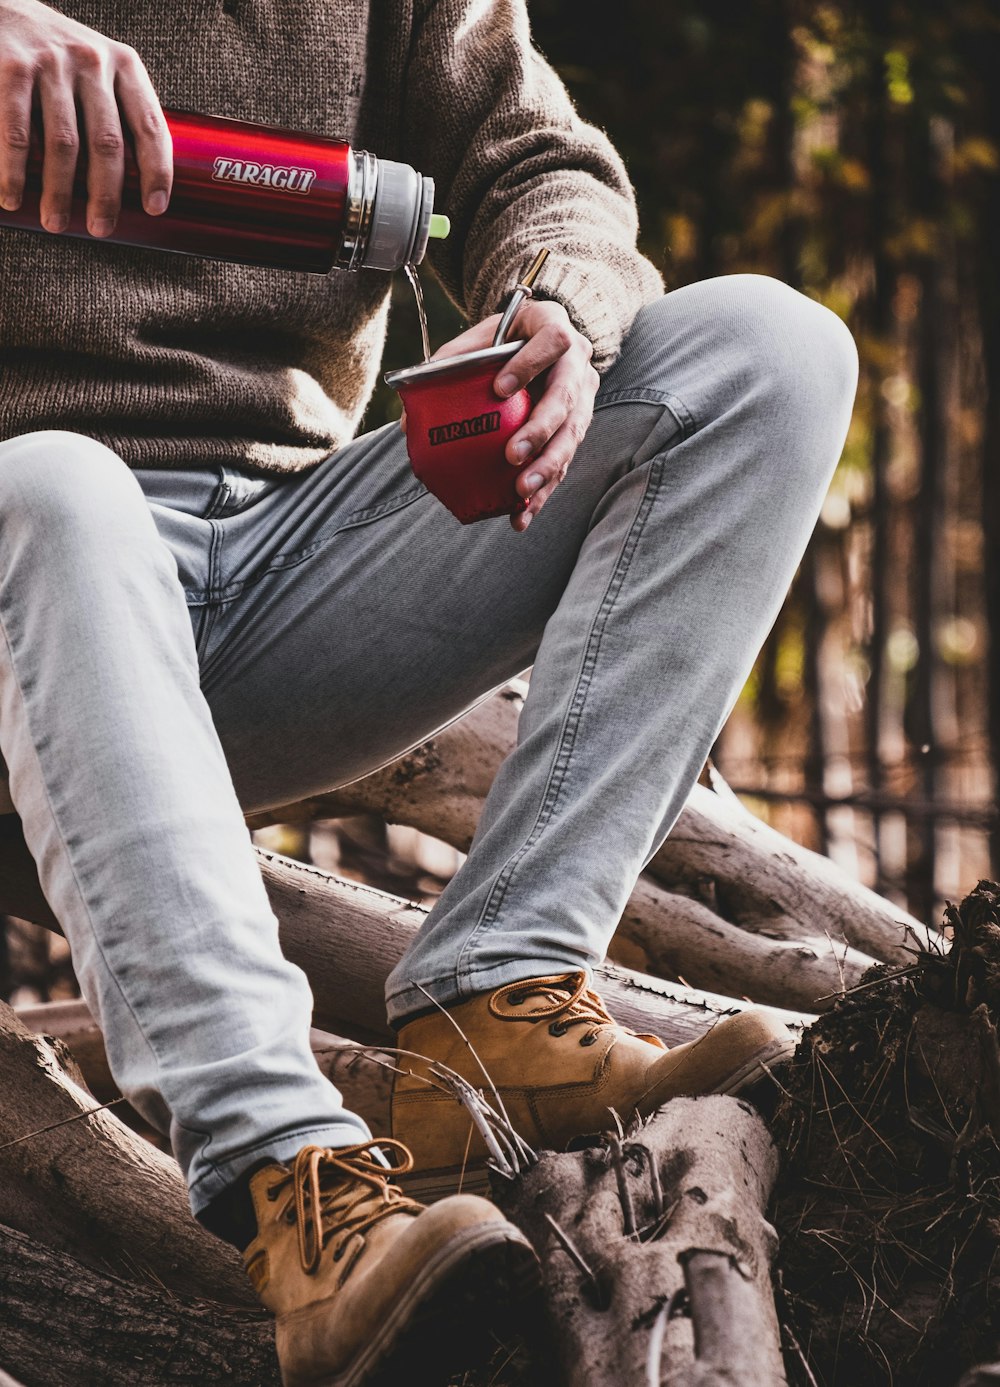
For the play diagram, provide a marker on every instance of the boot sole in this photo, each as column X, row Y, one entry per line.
column 438, row 1184
column 478, row 1288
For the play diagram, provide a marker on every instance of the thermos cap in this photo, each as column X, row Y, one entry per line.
column 401, row 217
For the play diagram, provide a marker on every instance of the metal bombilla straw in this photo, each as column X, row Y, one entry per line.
column 518, row 295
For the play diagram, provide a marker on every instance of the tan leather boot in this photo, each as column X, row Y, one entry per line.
column 563, row 1069
column 366, row 1284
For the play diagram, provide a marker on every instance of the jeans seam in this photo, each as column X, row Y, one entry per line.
column 218, row 595
column 350, row 521
column 212, row 595
column 220, row 496
column 567, row 737
column 643, row 395
column 81, row 895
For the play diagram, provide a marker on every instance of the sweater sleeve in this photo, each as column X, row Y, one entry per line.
column 515, row 169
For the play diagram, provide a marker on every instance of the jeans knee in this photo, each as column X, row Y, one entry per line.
column 755, row 337
column 58, row 483
column 788, row 347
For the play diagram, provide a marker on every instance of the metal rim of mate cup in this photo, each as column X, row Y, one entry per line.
column 500, row 349
column 410, row 374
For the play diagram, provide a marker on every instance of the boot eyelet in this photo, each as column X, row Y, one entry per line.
column 557, row 1028
column 589, row 1039
column 516, row 999
column 272, row 1193
column 290, row 1216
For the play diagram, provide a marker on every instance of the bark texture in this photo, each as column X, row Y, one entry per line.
column 66, row 1322
column 105, row 1278
column 347, row 937
column 91, row 1188
column 656, row 1252
column 363, row 1076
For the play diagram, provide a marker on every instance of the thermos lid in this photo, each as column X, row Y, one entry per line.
column 401, row 217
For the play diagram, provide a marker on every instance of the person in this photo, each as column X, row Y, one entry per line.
column 216, row 598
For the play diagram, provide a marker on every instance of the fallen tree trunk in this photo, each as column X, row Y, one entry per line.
column 702, row 946
column 347, row 937
column 104, row 1275
column 656, row 1252
column 730, row 894
column 80, row 1182
column 65, row 1322
column 763, row 881
column 363, row 1077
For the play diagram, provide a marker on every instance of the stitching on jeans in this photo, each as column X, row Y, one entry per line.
column 69, row 858
column 571, row 722
column 220, row 496
column 688, row 423
column 229, row 593
column 352, row 521
column 211, row 594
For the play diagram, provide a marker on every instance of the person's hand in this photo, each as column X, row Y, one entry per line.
column 556, row 425
column 57, row 66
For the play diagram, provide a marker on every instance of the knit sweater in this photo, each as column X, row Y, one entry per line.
column 175, row 361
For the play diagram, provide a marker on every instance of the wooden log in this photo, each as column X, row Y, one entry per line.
column 347, row 937
column 65, row 1321
column 656, row 1252
column 363, row 1078
column 729, row 895
column 764, row 881
column 105, row 1278
column 702, row 945
column 80, row 1182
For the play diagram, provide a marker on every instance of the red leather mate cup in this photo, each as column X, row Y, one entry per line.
column 457, row 428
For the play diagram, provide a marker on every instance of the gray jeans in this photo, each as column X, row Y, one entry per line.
column 180, row 646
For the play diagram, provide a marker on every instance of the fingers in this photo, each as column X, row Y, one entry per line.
column 76, row 78
column 62, row 145
column 105, row 145
column 550, row 337
column 16, row 81
column 538, row 480
column 153, row 146
column 555, row 429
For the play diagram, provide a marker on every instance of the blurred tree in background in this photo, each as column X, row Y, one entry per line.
column 852, row 150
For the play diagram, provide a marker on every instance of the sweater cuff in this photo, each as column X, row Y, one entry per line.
column 601, row 301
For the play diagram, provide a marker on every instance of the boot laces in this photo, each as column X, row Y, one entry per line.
column 571, row 1002
column 337, row 1195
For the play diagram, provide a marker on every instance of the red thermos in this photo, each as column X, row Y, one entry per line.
column 258, row 195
